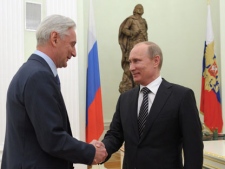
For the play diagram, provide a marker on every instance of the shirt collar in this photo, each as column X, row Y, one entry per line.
column 154, row 85
column 48, row 60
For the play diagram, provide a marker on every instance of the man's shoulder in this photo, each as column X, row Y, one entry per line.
column 174, row 85
column 132, row 91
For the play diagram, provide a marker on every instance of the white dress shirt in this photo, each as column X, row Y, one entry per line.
column 153, row 86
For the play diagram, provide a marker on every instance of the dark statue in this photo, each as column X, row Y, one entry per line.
column 132, row 31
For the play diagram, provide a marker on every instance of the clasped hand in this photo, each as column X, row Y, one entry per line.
column 100, row 153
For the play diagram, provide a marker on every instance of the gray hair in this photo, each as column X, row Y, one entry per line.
column 57, row 23
column 153, row 50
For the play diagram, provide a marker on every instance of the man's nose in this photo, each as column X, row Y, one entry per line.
column 74, row 53
column 131, row 67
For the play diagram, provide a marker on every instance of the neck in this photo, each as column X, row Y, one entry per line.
column 47, row 50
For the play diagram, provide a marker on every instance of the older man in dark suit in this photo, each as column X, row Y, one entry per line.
column 38, row 133
column 157, row 119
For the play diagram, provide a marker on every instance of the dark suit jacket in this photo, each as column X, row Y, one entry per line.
column 173, row 124
column 38, row 134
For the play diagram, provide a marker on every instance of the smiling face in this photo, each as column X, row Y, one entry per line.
column 65, row 48
column 144, row 68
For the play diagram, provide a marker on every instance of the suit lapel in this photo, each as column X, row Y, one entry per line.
column 133, row 110
column 161, row 97
column 43, row 62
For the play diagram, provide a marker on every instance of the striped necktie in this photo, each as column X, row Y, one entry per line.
column 143, row 113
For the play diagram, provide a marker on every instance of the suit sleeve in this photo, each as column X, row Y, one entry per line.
column 47, row 113
column 114, row 137
column 191, row 132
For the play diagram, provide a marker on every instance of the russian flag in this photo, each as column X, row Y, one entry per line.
column 210, row 105
column 94, row 115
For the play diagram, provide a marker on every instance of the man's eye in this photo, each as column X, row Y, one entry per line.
column 72, row 45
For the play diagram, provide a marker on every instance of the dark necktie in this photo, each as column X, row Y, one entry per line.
column 143, row 113
column 57, row 81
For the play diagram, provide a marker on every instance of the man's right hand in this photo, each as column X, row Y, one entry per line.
column 100, row 153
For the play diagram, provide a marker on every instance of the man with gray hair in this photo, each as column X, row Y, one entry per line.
column 38, row 133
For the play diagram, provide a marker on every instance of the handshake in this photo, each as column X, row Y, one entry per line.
column 100, row 153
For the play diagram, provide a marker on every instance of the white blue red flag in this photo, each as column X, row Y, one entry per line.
column 210, row 105
column 94, row 115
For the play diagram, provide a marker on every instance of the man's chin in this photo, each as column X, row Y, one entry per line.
column 62, row 66
column 65, row 65
column 136, row 81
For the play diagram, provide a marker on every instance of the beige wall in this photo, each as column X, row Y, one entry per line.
column 222, row 52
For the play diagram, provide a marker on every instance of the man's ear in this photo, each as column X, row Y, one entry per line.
column 156, row 60
column 54, row 38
